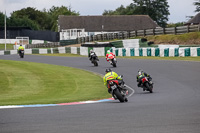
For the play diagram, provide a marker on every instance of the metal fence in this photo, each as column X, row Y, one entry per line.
column 147, row 32
column 43, row 45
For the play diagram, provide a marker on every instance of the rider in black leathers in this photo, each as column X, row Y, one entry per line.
column 92, row 53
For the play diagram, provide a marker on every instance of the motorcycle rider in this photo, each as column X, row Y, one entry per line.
column 20, row 48
column 140, row 75
column 108, row 53
column 110, row 75
column 92, row 53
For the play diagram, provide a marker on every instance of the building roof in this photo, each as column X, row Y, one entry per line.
column 107, row 23
column 194, row 20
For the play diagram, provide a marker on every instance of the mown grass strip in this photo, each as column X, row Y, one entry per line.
column 36, row 83
column 66, row 54
column 134, row 57
column 163, row 58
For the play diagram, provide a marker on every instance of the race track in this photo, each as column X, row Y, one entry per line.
column 174, row 107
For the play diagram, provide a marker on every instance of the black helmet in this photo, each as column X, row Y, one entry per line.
column 20, row 45
column 108, row 70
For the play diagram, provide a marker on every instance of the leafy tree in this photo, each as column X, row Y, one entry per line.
column 23, row 22
column 38, row 17
column 156, row 9
column 197, row 4
column 175, row 24
column 54, row 12
column 37, row 20
column 2, row 17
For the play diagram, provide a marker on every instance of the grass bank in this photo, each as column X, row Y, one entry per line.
column 135, row 57
column 66, row 54
column 163, row 58
column 37, row 83
column 8, row 46
column 189, row 39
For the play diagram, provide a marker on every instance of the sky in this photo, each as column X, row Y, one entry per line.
column 178, row 9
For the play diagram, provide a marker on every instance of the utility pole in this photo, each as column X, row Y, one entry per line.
column 5, row 30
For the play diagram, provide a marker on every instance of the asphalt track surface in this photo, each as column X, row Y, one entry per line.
column 174, row 107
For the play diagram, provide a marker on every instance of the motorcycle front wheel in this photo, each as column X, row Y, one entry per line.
column 114, row 63
column 148, row 87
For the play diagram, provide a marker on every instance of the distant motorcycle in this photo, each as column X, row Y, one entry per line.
column 112, row 60
column 117, row 92
column 147, row 85
column 21, row 53
column 94, row 59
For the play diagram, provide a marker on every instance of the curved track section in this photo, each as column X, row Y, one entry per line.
column 172, row 108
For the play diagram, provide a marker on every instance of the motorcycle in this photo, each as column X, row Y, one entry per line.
column 146, row 84
column 94, row 59
column 117, row 91
column 21, row 53
column 112, row 60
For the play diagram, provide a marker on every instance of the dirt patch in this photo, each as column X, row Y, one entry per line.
column 73, row 45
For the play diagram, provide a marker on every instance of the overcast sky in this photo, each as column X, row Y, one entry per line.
column 178, row 9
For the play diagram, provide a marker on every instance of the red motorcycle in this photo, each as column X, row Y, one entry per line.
column 117, row 91
column 112, row 60
column 146, row 84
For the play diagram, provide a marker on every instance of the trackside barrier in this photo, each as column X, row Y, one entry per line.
column 101, row 51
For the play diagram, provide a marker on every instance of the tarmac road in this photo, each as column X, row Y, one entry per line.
column 174, row 107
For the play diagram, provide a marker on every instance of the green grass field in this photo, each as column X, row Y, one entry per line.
column 8, row 46
column 37, row 83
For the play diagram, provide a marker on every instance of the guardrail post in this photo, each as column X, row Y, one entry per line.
column 199, row 27
column 188, row 28
column 135, row 33
column 175, row 30
column 163, row 30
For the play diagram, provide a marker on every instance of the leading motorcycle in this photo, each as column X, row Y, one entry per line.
column 21, row 53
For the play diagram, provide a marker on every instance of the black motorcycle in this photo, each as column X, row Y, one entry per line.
column 21, row 53
column 94, row 59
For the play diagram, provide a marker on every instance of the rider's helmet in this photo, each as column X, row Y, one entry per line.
column 108, row 70
column 139, row 72
column 20, row 45
column 108, row 52
column 91, row 51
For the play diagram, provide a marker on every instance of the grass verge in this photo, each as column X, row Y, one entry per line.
column 162, row 58
column 8, row 46
column 135, row 57
column 67, row 54
column 37, row 83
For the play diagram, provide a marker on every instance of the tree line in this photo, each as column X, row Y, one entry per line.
column 35, row 19
column 47, row 19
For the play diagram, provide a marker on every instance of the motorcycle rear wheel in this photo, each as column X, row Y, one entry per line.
column 95, row 63
column 118, row 95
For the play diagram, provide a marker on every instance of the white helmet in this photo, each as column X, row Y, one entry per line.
column 139, row 72
column 91, row 50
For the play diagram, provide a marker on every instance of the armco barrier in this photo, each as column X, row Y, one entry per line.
column 101, row 51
